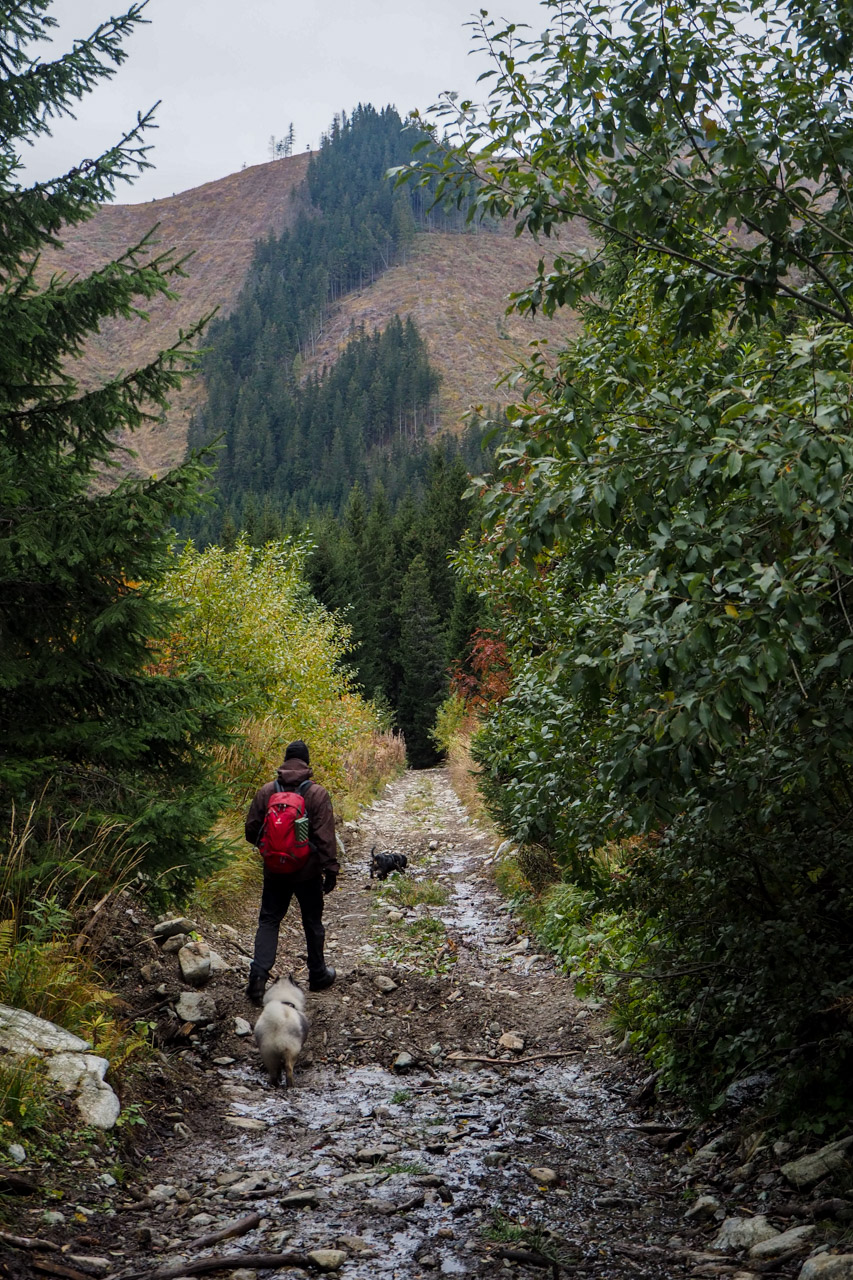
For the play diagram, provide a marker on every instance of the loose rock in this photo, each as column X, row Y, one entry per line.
column 175, row 943
column 512, row 1040
column 828, row 1266
column 168, row 928
column 703, row 1209
column 808, row 1170
column 194, row 960
column 795, row 1238
column 328, row 1259
column 743, row 1233
column 193, row 1006
column 544, row 1176
column 383, row 983
column 242, row 1027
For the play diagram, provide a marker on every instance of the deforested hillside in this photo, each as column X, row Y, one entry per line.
column 454, row 285
column 218, row 224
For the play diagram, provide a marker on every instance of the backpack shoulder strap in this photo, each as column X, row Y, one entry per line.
column 302, row 789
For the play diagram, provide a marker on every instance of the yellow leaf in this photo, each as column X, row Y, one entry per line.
column 732, row 611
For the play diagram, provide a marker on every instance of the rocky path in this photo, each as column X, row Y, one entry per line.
column 403, row 1151
column 457, row 1111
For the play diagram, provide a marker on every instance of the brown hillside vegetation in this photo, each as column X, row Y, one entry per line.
column 219, row 224
column 455, row 287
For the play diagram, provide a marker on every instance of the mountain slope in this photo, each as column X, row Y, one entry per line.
column 455, row 287
column 218, row 224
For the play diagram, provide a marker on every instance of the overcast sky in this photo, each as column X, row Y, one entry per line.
column 229, row 73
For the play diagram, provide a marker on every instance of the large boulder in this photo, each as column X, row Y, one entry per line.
column 736, row 1234
column 66, row 1061
column 808, row 1170
column 828, row 1266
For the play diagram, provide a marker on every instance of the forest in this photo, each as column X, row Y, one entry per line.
column 629, row 615
column 666, row 535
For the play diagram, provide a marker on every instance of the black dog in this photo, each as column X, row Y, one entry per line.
column 382, row 864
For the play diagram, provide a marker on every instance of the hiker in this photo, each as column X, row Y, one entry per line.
column 309, row 873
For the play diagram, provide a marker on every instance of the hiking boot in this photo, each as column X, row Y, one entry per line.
column 256, row 987
column 319, row 981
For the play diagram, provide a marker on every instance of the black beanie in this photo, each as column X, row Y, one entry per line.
column 297, row 751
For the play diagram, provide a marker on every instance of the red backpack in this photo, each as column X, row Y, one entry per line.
column 284, row 836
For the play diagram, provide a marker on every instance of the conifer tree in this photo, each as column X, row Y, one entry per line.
column 90, row 729
column 422, row 680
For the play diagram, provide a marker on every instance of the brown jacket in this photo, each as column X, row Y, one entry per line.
column 321, row 820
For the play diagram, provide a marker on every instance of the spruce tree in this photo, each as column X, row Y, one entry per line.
column 92, row 731
column 422, row 674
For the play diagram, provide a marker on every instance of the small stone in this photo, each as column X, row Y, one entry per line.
column 168, row 928
column 53, row 1218
column 395, row 916
column 703, row 1209
column 328, row 1259
column 355, row 1244
column 511, row 1040
column 182, row 1195
column 227, row 1177
column 162, row 1193
column 194, row 960
column 402, row 1061
column 808, row 1170
column 247, row 1123
column 743, row 1233
column 794, row 1238
column 435, row 1050
column 374, row 1155
column 494, row 1029
column 244, row 1273
column 385, row 984
column 176, row 943
column 828, row 1266
column 91, row 1263
column 201, row 1220
column 306, row 1198
column 242, row 1027
column 433, row 845
column 107, row 1179
column 544, row 1176
column 16, row 1152
column 223, row 1062
column 194, row 1006
column 217, row 964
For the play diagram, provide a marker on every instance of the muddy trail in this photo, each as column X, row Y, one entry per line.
column 456, row 1109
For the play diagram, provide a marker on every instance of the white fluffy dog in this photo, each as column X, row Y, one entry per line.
column 281, row 1029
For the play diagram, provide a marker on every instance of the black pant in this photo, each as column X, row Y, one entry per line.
column 275, row 899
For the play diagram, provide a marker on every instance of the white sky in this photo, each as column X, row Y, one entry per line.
column 232, row 72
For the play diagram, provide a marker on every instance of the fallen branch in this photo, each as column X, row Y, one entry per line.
column 51, row 1268
column 227, row 1232
column 27, row 1242
column 81, row 936
column 222, row 1262
column 511, row 1062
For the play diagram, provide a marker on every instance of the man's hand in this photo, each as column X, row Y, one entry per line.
column 330, row 879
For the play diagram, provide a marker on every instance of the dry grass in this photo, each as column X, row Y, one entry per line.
column 369, row 767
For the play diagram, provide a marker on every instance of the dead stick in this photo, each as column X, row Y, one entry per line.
column 511, row 1062
column 27, row 1242
column 223, row 1262
column 226, row 1233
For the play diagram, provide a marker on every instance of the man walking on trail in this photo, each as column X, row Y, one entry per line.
column 314, row 878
